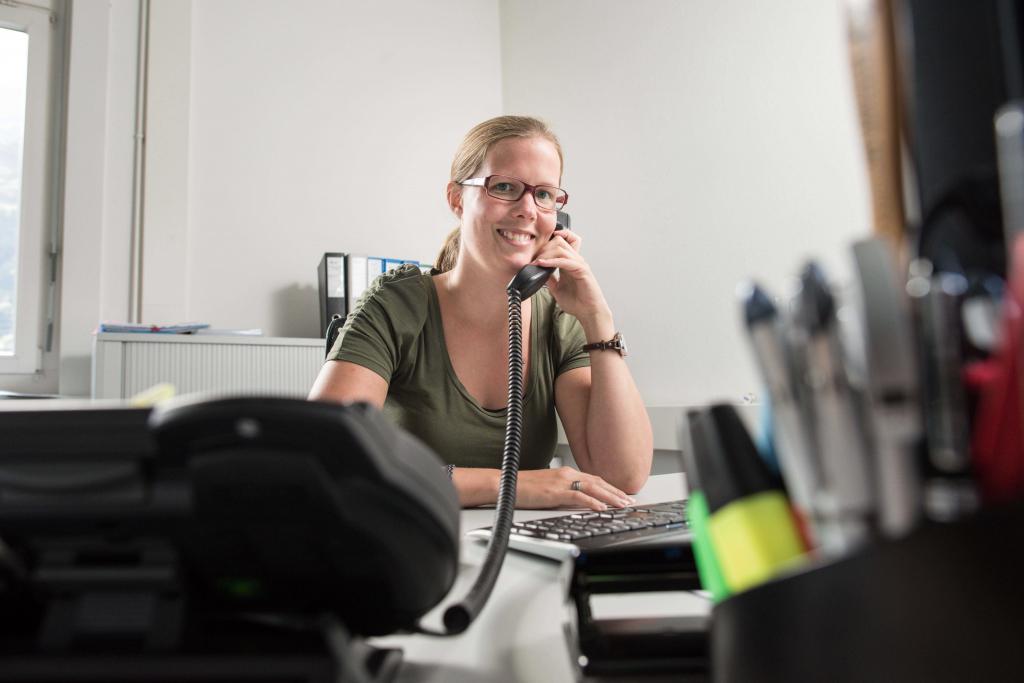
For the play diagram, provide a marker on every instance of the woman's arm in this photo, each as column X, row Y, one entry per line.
column 600, row 407
column 605, row 421
column 344, row 382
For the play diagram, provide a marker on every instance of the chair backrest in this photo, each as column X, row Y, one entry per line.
column 333, row 328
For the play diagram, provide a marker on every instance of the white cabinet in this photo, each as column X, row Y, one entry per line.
column 125, row 364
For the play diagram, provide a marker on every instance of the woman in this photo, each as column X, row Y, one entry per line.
column 432, row 350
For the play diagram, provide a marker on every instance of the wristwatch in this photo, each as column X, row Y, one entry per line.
column 616, row 343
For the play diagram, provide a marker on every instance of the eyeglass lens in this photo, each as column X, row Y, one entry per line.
column 510, row 189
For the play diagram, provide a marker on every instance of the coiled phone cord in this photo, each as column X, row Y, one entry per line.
column 459, row 616
column 525, row 284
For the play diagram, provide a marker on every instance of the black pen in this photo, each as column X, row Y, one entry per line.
column 950, row 491
column 892, row 405
column 845, row 503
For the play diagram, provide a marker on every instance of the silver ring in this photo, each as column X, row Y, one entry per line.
column 575, row 486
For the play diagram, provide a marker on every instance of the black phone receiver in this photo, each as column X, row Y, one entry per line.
column 531, row 278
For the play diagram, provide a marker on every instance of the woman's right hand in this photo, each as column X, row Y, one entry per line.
column 549, row 488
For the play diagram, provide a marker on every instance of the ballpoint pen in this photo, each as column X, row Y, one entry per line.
column 892, row 399
column 949, row 491
column 791, row 437
column 845, row 503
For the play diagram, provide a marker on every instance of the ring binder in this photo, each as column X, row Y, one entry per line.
column 331, row 285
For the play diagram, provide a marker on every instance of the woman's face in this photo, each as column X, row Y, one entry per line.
column 505, row 235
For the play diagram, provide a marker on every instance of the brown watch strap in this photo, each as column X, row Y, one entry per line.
column 613, row 344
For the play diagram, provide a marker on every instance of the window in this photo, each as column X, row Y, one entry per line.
column 13, row 72
column 27, row 41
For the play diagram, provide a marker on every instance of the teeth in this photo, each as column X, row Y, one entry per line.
column 517, row 237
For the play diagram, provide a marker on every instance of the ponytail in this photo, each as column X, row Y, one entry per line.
column 449, row 253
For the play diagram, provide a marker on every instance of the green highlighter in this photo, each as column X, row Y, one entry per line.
column 697, row 517
column 750, row 526
column 703, row 552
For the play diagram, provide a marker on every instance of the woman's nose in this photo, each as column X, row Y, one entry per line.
column 526, row 206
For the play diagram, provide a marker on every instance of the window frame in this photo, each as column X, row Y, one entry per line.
column 38, row 183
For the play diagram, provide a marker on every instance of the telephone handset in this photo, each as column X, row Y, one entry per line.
column 531, row 278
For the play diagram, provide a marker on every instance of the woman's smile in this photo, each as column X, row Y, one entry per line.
column 518, row 238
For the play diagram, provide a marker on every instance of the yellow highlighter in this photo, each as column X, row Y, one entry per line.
column 750, row 523
column 153, row 395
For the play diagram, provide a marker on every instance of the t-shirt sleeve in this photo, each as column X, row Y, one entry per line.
column 569, row 339
column 383, row 321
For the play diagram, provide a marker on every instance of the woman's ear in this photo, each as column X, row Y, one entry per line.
column 454, row 193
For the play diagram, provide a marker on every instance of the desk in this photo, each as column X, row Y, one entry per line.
column 518, row 636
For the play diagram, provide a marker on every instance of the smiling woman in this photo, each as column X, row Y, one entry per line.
column 431, row 348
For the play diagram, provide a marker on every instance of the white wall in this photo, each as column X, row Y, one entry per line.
column 95, row 260
column 288, row 130
column 319, row 126
column 706, row 141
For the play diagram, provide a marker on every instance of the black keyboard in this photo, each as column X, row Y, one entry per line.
column 568, row 535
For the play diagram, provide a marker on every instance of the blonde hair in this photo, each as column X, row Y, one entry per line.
column 470, row 155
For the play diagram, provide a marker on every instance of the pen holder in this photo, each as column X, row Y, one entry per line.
column 943, row 604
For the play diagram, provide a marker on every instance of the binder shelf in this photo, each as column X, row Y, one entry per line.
column 944, row 604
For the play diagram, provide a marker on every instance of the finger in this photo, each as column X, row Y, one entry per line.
column 604, row 492
column 573, row 239
column 594, row 483
column 622, row 499
column 580, row 499
column 569, row 264
column 554, row 249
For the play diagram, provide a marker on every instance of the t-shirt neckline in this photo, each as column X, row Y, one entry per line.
column 435, row 316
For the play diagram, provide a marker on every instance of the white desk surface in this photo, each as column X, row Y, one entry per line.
column 519, row 634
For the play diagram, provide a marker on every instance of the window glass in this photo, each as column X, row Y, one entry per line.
column 13, row 82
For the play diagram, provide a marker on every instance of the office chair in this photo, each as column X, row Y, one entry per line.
column 333, row 328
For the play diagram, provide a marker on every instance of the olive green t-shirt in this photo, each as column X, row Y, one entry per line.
column 395, row 330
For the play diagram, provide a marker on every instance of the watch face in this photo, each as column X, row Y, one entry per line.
column 622, row 344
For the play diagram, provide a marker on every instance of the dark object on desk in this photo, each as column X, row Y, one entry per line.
column 333, row 328
column 219, row 540
column 943, row 604
column 636, row 649
column 331, row 283
column 569, row 535
column 961, row 62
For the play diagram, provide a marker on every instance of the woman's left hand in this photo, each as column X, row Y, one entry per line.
column 574, row 286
